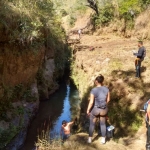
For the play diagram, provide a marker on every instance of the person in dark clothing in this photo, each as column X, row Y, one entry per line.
column 140, row 58
column 99, row 97
column 148, row 126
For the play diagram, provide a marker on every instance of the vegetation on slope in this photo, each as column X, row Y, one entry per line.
column 28, row 25
column 118, row 9
column 32, row 24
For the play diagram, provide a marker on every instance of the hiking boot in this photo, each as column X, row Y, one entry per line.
column 89, row 140
column 103, row 140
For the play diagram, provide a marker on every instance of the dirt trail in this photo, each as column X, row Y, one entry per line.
column 94, row 51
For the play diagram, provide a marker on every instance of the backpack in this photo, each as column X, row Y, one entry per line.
column 146, row 105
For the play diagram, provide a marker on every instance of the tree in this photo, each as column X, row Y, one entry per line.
column 93, row 5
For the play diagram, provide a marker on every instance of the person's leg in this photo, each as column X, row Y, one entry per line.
column 137, row 71
column 93, row 115
column 135, row 63
column 103, row 113
column 92, row 125
column 66, row 136
column 79, row 35
column 103, row 126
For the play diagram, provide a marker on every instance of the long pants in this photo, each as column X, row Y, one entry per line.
column 138, row 71
column 138, row 68
column 101, row 113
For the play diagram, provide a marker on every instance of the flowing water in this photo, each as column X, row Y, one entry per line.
column 62, row 105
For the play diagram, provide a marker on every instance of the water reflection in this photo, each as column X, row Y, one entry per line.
column 65, row 115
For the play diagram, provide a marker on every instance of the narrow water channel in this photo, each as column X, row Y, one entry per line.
column 62, row 105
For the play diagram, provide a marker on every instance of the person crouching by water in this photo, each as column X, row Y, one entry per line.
column 99, row 97
column 65, row 129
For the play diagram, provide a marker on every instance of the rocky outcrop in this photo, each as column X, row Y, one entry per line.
column 23, row 120
column 27, row 77
column 18, row 65
column 48, row 84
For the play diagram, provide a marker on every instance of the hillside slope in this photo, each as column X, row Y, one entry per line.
column 112, row 56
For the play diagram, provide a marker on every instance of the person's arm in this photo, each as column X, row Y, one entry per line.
column 70, row 123
column 140, row 53
column 108, row 97
column 148, row 112
column 90, row 104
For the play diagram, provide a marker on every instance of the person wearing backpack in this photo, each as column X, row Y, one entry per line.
column 140, row 57
column 97, row 107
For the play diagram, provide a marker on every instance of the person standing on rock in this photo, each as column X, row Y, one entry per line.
column 99, row 97
column 140, row 57
column 79, row 33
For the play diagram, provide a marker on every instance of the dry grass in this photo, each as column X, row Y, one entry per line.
column 116, row 62
column 142, row 25
column 46, row 143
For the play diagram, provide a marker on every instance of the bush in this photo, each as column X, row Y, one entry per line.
column 106, row 15
column 144, row 3
column 32, row 20
column 72, row 20
column 129, row 9
column 63, row 12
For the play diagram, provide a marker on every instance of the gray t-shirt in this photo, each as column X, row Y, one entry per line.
column 100, row 94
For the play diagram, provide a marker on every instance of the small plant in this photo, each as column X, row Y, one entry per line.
column 63, row 12
column 72, row 21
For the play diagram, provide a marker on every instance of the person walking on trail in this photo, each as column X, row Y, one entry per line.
column 140, row 57
column 65, row 129
column 79, row 33
column 97, row 107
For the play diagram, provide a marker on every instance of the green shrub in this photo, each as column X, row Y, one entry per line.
column 129, row 8
column 27, row 23
column 63, row 12
column 144, row 3
column 106, row 15
column 72, row 21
